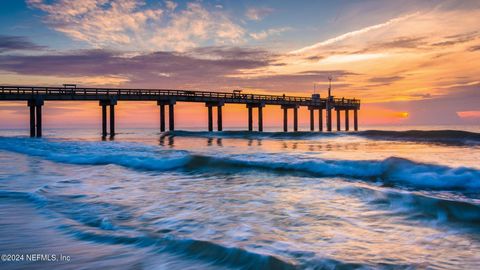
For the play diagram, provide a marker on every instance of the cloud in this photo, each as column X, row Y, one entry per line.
column 222, row 52
column 469, row 114
column 171, row 6
column 131, row 24
column 396, row 57
column 397, row 43
column 457, row 39
column 385, row 80
column 269, row 32
column 257, row 14
column 17, row 43
column 353, row 34
column 203, row 67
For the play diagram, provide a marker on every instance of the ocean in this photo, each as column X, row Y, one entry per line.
column 374, row 199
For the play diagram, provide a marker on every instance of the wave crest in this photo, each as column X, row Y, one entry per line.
column 448, row 137
column 391, row 171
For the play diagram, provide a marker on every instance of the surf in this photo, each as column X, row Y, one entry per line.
column 393, row 171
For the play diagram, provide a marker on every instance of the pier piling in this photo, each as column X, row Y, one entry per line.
column 210, row 117
column 171, row 117
column 162, row 117
column 250, row 107
column 35, row 106
column 260, row 118
column 295, row 118
column 110, row 103
column 250, row 118
column 320, row 120
column 112, row 120
column 338, row 119
column 347, row 123
column 31, row 105
column 355, row 119
column 312, row 126
column 104, row 120
column 219, row 118
column 329, row 119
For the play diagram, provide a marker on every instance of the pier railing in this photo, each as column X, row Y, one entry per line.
column 153, row 93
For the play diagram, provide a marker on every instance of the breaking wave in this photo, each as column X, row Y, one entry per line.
column 454, row 137
column 101, row 222
column 391, row 171
column 448, row 137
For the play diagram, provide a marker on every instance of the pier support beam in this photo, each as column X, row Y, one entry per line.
column 210, row 106
column 312, row 110
column 285, row 117
column 338, row 119
column 320, row 119
column 39, row 119
column 35, row 117
column 347, row 124
column 31, row 104
column 260, row 118
column 210, row 117
column 250, row 107
column 104, row 120
column 355, row 119
column 250, row 118
column 219, row 118
column 112, row 120
column 162, row 117
column 111, row 103
column 171, row 119
column 312, row 126
column 295, row 119
column 329, row 118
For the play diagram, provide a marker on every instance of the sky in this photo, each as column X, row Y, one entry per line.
column 410, row 62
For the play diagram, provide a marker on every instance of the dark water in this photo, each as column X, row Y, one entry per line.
column 239, row 200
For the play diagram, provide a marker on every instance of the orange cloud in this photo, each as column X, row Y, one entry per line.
column 469, row 114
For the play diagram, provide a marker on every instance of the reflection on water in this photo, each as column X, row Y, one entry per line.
column 186, row 201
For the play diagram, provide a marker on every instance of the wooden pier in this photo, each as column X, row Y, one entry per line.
column 107, row 97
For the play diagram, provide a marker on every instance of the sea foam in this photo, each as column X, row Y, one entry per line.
column 391, row 171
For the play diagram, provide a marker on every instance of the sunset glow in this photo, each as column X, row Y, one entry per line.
column 408, row 57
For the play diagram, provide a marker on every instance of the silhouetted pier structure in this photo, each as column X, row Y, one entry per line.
column 108, row 97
